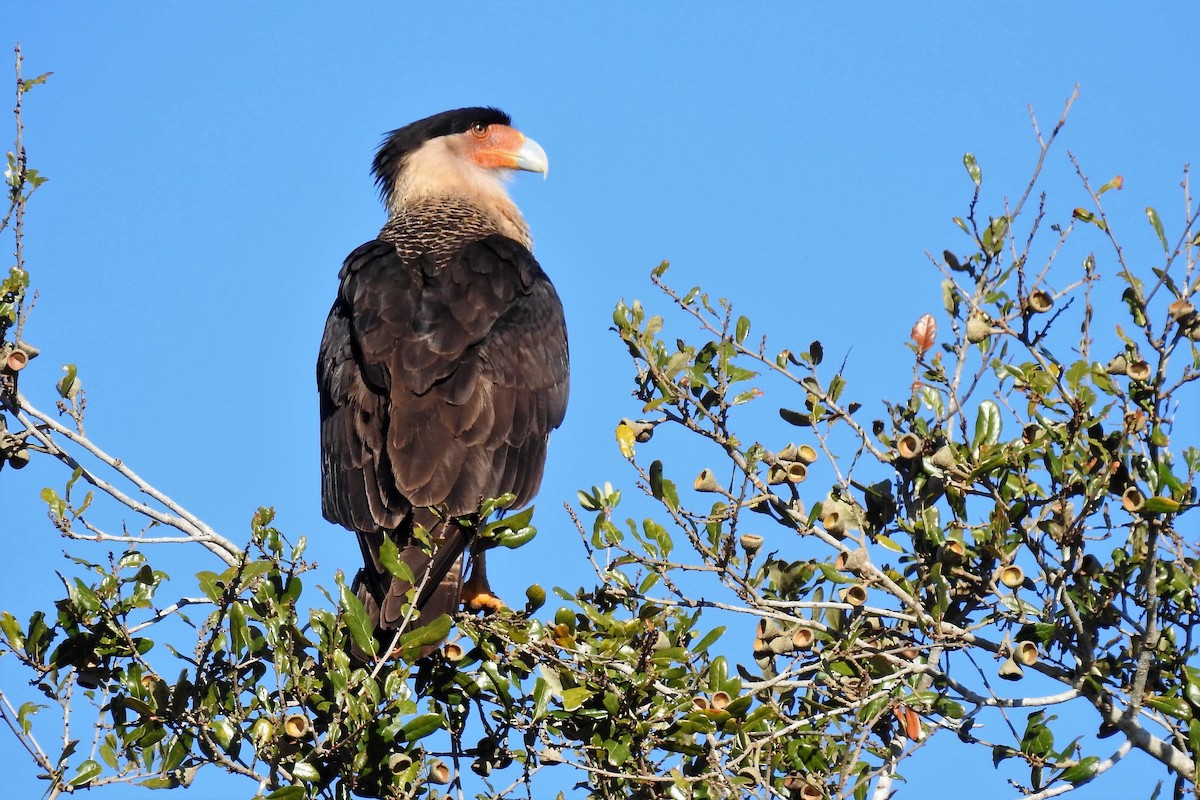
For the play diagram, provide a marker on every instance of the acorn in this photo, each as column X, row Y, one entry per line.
column 769, row 629
column 796, row 472
column 700, row 703
column 943, row 457
column 751, row 543
column 1181, row 310
column 399, row 762
column 978, row 329
column 720, row 700
column 19, row 457
column 535, row 598
column 852, row 561
column 1118, row 366
column 261, row 731
column 453, row 652
column 810, row 792
column 1040, row 301
column 806, row 454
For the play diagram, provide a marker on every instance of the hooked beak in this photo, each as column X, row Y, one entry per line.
column 532, row 158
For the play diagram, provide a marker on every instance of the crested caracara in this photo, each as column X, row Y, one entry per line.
column 443, row 366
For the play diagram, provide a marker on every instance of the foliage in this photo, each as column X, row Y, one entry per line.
column 1015, row 513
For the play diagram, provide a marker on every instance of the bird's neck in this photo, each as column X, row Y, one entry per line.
column 437, row 224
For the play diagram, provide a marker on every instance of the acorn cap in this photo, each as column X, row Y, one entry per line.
column 295, row 726
column 835, row 517
column 1118, row 366
column 399, row 762
column 1010, row 670
column 854, row 595
column 1132, row 499
column 951, row 551
column 706, row 481
column 1139, row 371
column 1040, row 301
column 1011, row 576
column 439, row 772
column 1025, row 653
column 16, row 360
column 803, row 638
column 909, row 446
column 750, row 542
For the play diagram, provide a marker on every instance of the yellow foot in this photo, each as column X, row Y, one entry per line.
column 483, row 601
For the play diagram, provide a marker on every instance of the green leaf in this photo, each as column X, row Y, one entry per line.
column 1082, row 772
column 987, row 425
column 709, row 639
column 58, row 506
column 208, row 585
column 888, row 543
column 1152, row 215
column 288, row 793
column 223, row 732
column 541, row 698
column 572, row 699
column 972, row 168
column 1160, row 505
column 1172, row 706
column 88, row 771
column 306, row 772
column 1083, row 215
column 357, row 620
column 25, row 714
column 429, row 634
column 420, row 727
column 742, row 330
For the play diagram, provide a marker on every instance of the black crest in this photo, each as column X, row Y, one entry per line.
column 402, row 141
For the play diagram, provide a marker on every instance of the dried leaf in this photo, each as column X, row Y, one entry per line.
column 924, row 333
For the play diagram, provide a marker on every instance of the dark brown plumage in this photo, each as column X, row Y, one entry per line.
column 443, row 367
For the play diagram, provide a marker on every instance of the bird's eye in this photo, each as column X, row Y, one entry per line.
column 479, row 129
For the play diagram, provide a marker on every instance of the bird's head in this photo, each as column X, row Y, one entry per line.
column 467, row 152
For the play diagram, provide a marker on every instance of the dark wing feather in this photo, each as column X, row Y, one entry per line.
column 440, row 383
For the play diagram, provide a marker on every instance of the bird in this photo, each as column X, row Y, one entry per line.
column 444, row 365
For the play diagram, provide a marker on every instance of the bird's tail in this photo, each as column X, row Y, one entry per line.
column 438, row 579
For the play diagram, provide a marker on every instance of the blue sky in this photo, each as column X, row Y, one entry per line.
column 208, row 169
